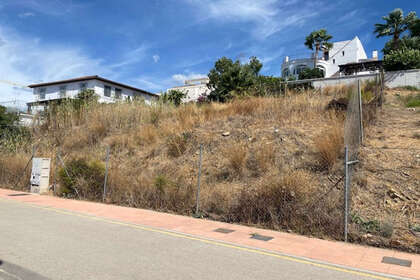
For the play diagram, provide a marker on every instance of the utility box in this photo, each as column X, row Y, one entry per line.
column 40, row 176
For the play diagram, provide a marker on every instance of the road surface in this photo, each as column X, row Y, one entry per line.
column 43, row 243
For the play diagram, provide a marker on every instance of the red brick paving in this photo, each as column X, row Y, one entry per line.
column 361, row 257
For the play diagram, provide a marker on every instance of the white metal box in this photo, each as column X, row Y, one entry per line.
column 40, row 176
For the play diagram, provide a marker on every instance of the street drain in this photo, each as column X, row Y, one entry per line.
column 391, row 260
column 261, row 237
column 224, row 230
column 18, row 194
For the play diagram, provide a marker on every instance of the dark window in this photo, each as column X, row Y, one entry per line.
column 83, row 86
column 343, row 53
column 107, row 91
column 326, row 55
column 42, row 92
column 333, row 60
column 118, row 93
column 63, row 91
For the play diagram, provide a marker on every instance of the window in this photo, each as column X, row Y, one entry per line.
column 343, row 53
column 63, row 91
column 327, row 55
column 118, row 93
column 83, row 86
column 42, row 92
column 107, row 91
column 333, row 60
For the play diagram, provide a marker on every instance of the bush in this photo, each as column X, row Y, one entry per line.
column 308, row 73
column 173, row 96
column 411, row 101
column 402, row 59
column 82, row 178
column 329, row 146
column 177, row 144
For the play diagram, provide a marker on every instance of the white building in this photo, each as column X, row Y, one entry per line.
column 343, row 52
column 194, row 89
column 108, row 91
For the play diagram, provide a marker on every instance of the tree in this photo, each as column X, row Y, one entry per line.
column 229, row 78
column 308, row 73
column 415, row 28
column 87, row 95
column 319, row 40
column 173, row 96
column 402, row 59
column 395, row 24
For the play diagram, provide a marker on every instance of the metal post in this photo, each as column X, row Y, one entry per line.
column 198, row 181
column 346, row 192
column 106, row 173
column 360, row 111
column 285, row 89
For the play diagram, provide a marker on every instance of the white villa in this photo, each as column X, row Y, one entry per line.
column 194, row 89
column 107, row 90
column 341, row 53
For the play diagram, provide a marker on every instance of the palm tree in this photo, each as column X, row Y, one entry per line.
column 319, row 40
column 395, row 24
column 415, row 28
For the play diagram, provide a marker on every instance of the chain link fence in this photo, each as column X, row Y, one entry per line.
column 278, row 202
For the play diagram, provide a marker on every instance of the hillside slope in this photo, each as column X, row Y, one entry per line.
column 271, row 162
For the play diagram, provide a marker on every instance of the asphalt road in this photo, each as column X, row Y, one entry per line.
column 40, row 244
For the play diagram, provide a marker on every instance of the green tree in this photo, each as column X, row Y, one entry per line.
column 395, row 25
column 402, row 59
column 231, row 78
column 308, row 73
column 415, row 28
column 7, row 119
column 318, row 40
column 173, row 96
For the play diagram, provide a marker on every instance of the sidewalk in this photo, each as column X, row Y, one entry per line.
column 337, row 253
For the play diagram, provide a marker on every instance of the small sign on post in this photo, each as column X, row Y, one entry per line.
column 40, row 175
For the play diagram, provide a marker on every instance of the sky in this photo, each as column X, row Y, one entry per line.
column 157, row 44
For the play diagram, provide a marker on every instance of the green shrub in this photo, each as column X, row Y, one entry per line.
column 82, row 178
column 402, row 59
column 173, row 96
column 309, row 73
column 411, row 101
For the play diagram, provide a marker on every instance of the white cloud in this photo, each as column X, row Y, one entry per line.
column 132, row 57
column 26, row 14
column 48, row 7
column 27, row 60
column 267, row 16
column 181, row 78
column 156, row 58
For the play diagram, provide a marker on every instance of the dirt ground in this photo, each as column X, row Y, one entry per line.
column 388, row 181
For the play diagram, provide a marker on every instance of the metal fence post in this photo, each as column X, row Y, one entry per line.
column 198, row 181
column 346, row 191
column 359, row 89
column 106, row 172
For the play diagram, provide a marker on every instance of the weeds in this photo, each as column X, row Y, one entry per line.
column 329, row 146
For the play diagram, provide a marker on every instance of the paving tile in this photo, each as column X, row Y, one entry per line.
column 367, row 258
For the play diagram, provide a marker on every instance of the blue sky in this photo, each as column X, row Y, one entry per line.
column 157, row 44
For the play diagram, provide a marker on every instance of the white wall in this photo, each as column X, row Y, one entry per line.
column 353, row 52
column 53, row 91
column 403, row 78
column 73, row 88
column 193, row 91
column 392, row 79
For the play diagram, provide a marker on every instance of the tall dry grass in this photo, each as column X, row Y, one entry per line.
column 251, row 176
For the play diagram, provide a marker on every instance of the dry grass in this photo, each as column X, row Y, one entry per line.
column 236, row 154
column 329, row 145
column 262, row 174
